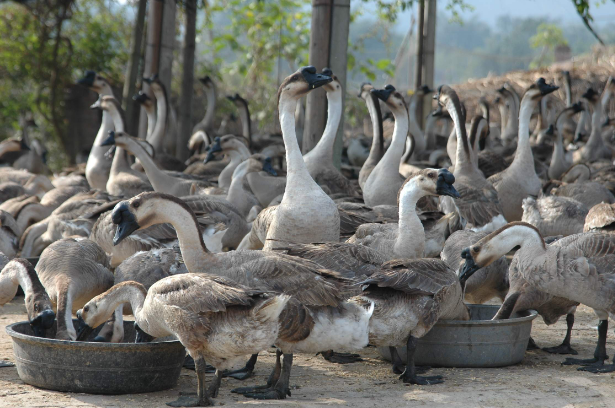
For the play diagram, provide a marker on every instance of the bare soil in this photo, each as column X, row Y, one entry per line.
column 539, row 381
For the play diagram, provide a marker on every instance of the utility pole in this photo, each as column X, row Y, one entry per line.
column 185, row 118
column 328, row 48
column 418, row 71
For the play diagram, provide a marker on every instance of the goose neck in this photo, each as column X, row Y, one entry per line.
column 395, row 151
column 208, row 119
column 373, row 107
column 523, row 153
column 162, row 108
column 129, row 292
column 103, row 132
column 244, row 114
column 410, row 240
column 512, row 119
column 159, row 179
column 595, row 137
column 324, row 149
column 415, row 129
column 517, row 235
column 10, row 278
column 463, row 160
column 294, row 160
column 151, row 120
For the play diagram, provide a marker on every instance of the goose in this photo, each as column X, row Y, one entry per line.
column 600, row 217
column 11, row 150
column 159, row 180
column 146, row 102
column 478, row 205
column 409, row 297
column 20, row 272
column 511, row 98
column 32, row 156
column 568, row 126
column 9, row 235
column 554, row 216
column 306, row 213
column 33, row 184
column 318, row 306
column 559, row 162
column 384, row 181
column 595, row 148
column 589, row 193
column 73, row 272
column 579, row 270
column 413, row 123
column 377, row 149
column 319, row 160
column 215, row 318
column 206, row 124
column 357, row 150
column 98, row 165
column 519, row 180
column 486, row 284
column 407, row 239
column 244, row 114
column 607, row 94
column 11, row 190
column 162, row 126
column 123, row 181
column 235, row 149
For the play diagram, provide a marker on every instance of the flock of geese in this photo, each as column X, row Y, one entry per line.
column 250, row 243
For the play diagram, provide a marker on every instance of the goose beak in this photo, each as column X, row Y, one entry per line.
column 313, row 79
column 444, row 185
column 545, row 88
column 268, row 168
column 125, row 221
column 213, row 149
column 88, row 79
column 469, row 267
column 141, row 97
column 41, row 323
column 383, row 94
column 141, row 336
column 83, row 330
column 589, row 94
column 109, row 141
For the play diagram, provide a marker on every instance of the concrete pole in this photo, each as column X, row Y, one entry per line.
column 132, row 70
column 418, row 71
column 338, row 63
column 316, row 106
column 185, row 114
column 167, row 44
column 429, row 46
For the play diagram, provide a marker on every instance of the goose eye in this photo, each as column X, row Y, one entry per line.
column 136, row 204
column 476, row 249
column 86, row 309
column 430, row 175
column 36, row 307
column 294, row 78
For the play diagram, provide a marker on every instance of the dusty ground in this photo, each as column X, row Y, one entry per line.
column 540, row 381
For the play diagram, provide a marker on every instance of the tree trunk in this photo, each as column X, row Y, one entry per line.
column 132, row 70
column 185, row 114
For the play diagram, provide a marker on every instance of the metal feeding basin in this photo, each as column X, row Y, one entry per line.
column 96, row 368
column 479, row 342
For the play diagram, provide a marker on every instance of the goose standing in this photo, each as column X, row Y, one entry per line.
column 319, row 160
column 306, row 213
column 377, row 149
column 580, row 271
column 383, row 183
column 519, row 180
column 215, row 318
column 98, row 165
column 478, row 205
column 20, row 272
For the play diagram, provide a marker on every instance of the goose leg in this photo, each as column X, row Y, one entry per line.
column 202, row 399
column 190, row 365
column 597, row 362
column 531, row 345
column 271, row 381
column 398, row 365
column 409, row 375
column 245, row 372
column 564, row 348
column 341, row 358
column 281, row 389
column 215, row 385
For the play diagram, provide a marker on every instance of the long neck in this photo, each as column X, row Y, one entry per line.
column 463, row 158
column 324, row 149
column 395, row 151
column 120, row 159
column 10, row 279
column 244, row 114
column 238, row 154
column 159, row 179
column 151, row 121
column 517, row 235
column 512, row 122
column 523, row 155
column 208, row 120
column 595, row 137
column 377, row 149
column 410, row 240
column 103, row 132
column 568, row 91
column 294, row 160
column 503, row 117
column 191, row 243
column 415, row 129
column 127, row 293
column 157, row 137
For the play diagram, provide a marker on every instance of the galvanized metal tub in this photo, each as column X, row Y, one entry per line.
column 478, row 342
column 96, row 368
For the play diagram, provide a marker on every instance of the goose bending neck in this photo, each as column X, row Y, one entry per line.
column 162, row 107
column 410, row 242
column 10, row 279
column 127, row 292
column 324, row 149
column 158, row 178
column 516, row 235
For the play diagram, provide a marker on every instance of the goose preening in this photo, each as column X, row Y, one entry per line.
column 20, row 272
column 578, row 268
column 519, row 180
column 478, row 205
column 306, row 213
column 216, row 319
column 73, row 272
column 384, row 181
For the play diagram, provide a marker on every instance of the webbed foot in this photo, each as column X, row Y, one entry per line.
column 415, row 379
column 246, row 390
column 341, row 358
column 269, row 394
column 241, row 374
column 191, row 400
column 561, row 349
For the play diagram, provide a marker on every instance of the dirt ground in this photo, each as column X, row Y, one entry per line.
column 539, row 381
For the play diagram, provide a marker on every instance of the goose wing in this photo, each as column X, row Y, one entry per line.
column 478, row 206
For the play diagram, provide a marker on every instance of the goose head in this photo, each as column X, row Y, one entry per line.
column 393, row 99
column 212, row 150
column 38, row 305
column 301, row 82
column 237, row 100
column 96, row 83
column 206, row 81
column 143, row 99
column 539, row 89
column 431, row 182
column 591, row 96
column 334, row 86
column 267, row 167
column 487, row 250
column 365, row 90
column 123, row 140
column 140, row 212
column 423, row 90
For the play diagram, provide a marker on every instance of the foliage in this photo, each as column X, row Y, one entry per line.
column 548, row 37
